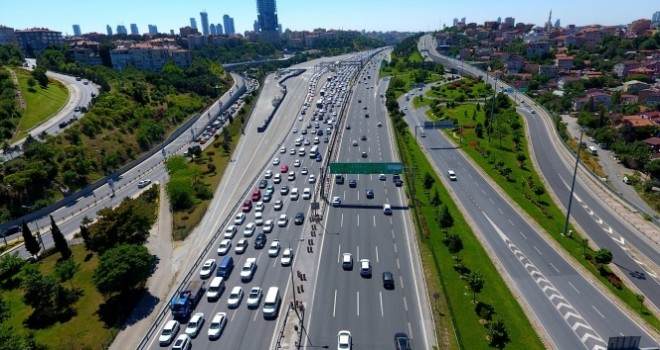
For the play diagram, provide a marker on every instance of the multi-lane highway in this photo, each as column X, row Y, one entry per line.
column 560, row 297
column 342, row 298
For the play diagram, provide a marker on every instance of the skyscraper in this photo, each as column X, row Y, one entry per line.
column 205, row 22
column 218, row 29
column 267, row 18
column 134, row 29
column 193, row 22
column 153, row 29
column 455, row 21
column 229, row 25
column 76, row 30
column 121, row 29
column 655, row 20
column 255, row 26
column 510, row 21
column 108, row 29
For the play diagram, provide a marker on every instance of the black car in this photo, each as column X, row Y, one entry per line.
column 339, row 179
column 364, row 138
column 398, row 183
column 388, row 280
column 319, row 132
column 260, row 241
column 299, row 218
column 348, row 126
column 266, row 197
column 370, row 194
column 263, row 183
column 396, row 177
column 352, row 183
column 402, row 342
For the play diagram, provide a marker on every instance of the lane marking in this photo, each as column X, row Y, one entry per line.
column 358, row 303
column 338, row 253
column 598, row 312
column 358, row 220
column 576, row 290
column 537, row 249
column 374, row 220
column 553, row 266
column 334, row 305
column 380, row 295
column 376, row 253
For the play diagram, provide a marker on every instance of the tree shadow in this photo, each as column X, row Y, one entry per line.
column 144, row 308
column 62, row 310
column 484, row 311
column 118, row 308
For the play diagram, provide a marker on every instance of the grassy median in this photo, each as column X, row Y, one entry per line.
column 41, row 103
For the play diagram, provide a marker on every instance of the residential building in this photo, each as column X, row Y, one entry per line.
column 193, row 22
column 229, row 25
column 147, row 56
column 638, row 27
column 513, row 63
column 86, row 52
column 153, row 29
column 267, row 18
column 538, row 48
column 122, row 30
column 134, row 29
column 634, row 86
column 593, row 100
column 653, row 143
column 197, row 41
column 212, row 30
column 205, row 22
column 649, row 96
column 621, row 69
column 548, row 71
column 510, row 22
column 564, row 62
column 7, row 35
column 187, row 31
column 219, row 29
column 108, row 29
column 76, row 30
column 37, row 40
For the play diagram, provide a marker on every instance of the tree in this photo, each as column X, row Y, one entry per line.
column 4, row 309
column 61, row 244
column 475, row 281
column 65, row 270
column 181, row 192
column 538, row 191
column 39, row 291
column 640, row 298
column 10, row 339
column 39, row 74
column 122, row 268
column 428, row 181
column 129, row 223
column 479, row 130
column 603, row 256
column 455, row 245
column 652, row 168
column 585, row 245
column 521, row 158
column 435, row 200
column 498, row 334
column 84, row 234
column 31, row 243
column 500, row 130
column 446, row 220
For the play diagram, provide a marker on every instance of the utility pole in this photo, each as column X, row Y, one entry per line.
column 570, row 198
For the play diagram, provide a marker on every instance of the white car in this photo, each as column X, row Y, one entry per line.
column 217, row 325
column 287, row 257
column 307, row 193
column 259, row 207
column 311, row 179
column 278, row 205
column 254, row 297
column 195, row 324
column 230, row 231
column 168, row 333
column 306, row 142
column 207, row 268
column 344, row 340
column 224, row 247
column 268, row 174
column 316, row 140
column 258, row 218
column 282, row 150
column 336, row 201
column 294, row 194
column 282, row 221
column 292, row 151
column 276, row 161
column 294, row 130
column 247, row 272
column 296, row 163
column 241, row 246
column 304, row 171
column 382, row 177
column 143, row 183
column 277, row 178
column 355, row 143
column 274, row 249
column 347, row 261
column 239, row 219
column 249, row 229
column 268, row 226
column 235, row 297
column 452, row 175
column 365, row 267
column 292, row 176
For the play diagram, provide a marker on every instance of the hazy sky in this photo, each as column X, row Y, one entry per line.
column 381, row 15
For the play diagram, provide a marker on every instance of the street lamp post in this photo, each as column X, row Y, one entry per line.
column 570, row 197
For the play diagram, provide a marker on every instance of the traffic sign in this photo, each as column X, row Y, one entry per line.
column 522, row 90
column 439, row 124
column 366, row 168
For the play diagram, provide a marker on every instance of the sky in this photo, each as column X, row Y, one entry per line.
column 370, row 15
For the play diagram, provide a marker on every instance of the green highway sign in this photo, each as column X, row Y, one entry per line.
column 366, row 168
column 522, row 90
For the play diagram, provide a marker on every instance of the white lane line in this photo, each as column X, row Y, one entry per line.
column 338, row 253
column 358, row 220
column 358, row 303
column 511, row 222
column 334, row 305
column 491, row 200
column 522, row 234
column 537, row 249
column 484, row 192
column 358, row 253
column 553, row 266
column 405, row 302
column 380, row 295
column 374, row 220
column 376, row 254
column 500, row 209
column 396, row 250
column 571, row 284
column 341, row 223
column 392, row 233
column 398, row 264
column 598, row 311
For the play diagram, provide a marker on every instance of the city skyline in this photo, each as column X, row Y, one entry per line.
column 370, row 15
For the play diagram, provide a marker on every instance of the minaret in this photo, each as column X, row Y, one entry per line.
column 548, row 24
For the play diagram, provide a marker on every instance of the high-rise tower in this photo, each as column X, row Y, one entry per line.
column 205, row 22
column 267, row 18
column 76, row 30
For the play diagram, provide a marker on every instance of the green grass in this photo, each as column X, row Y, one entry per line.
column 85, row 330
column 186, row 220
column 452, row 91
column 447, row 280
column 40, row 103
column 541, row 208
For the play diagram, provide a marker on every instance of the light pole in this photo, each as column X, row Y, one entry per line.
column 570, row 198
column 492, row 109
column 418, row 126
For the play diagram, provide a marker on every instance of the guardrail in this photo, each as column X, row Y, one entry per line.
column 268, row 119
column 87, row 191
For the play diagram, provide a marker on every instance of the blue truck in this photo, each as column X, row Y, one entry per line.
column 183, row 304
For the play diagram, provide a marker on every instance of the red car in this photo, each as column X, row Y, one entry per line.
column 285, row 169
column 256, row 195
column 247, row 206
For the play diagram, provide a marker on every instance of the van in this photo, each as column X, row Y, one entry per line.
column 272, row 303
column 301, row 151
column 215, row 289
column 593, row 150
column 225, row 267
column 387, row 209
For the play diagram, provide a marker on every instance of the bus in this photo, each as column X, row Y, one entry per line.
column 313, row 151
